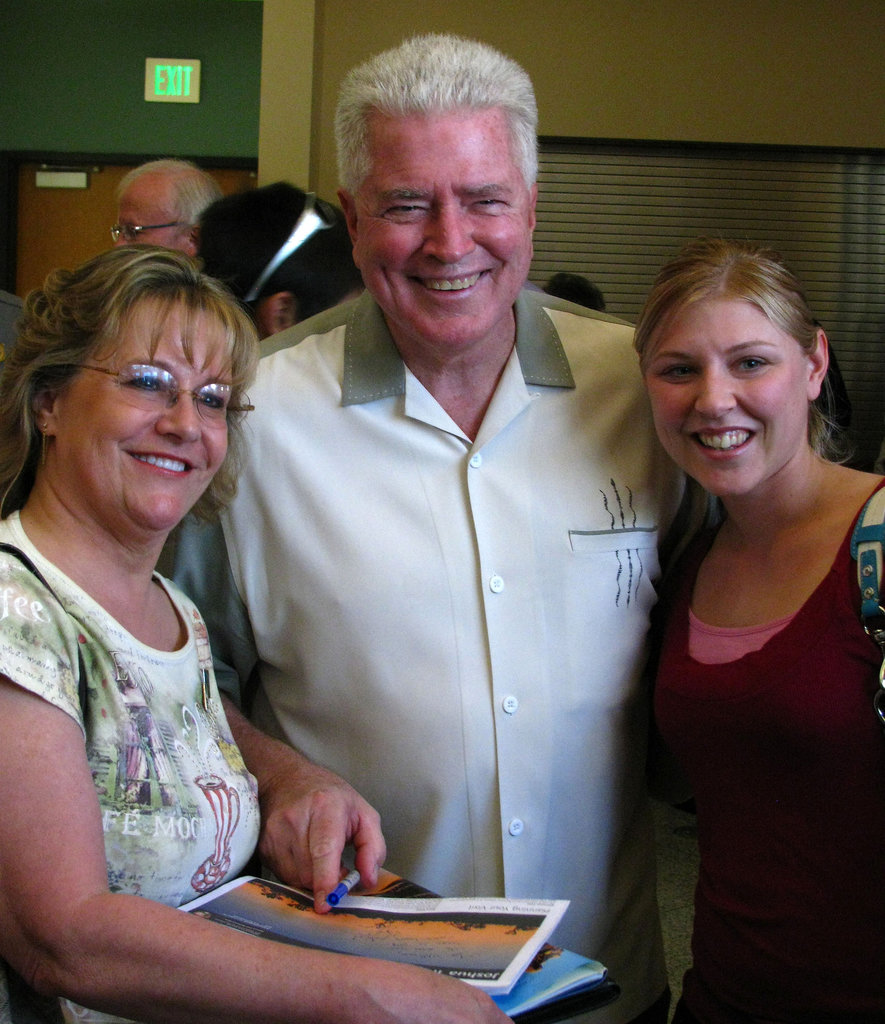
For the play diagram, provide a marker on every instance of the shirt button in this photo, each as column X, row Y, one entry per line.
column 510, row 704
column 516, row 826
column 496, row 584
column 476, row 461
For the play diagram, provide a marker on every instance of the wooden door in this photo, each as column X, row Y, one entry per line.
column 61, row 227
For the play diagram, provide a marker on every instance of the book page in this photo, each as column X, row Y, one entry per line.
column 485, row 942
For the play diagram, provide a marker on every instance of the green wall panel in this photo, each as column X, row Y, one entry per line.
column 72, row 76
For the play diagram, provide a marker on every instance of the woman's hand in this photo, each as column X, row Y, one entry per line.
column 388, row 993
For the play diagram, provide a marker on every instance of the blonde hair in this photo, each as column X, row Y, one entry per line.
column 79, row 312
column 708, row 268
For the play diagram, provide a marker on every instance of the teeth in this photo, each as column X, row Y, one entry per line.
column 730, row 439
column 454, row 285
column 154, row 460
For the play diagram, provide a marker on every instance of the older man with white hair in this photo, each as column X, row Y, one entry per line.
column 160, row 202
column 441, row 561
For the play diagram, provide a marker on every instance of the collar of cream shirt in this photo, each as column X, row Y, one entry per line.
column 373, row 368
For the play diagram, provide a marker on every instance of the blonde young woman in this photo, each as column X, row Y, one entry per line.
column 766, row 677
column 123, row 793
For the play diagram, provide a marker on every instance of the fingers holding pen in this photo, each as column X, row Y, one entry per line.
column 309, row 816
column 344, row 819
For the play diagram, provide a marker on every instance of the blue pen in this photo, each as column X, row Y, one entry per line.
column 343, row 888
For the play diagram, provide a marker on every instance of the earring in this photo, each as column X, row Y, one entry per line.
column 42, row 429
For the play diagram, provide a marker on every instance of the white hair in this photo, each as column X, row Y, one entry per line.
column 194, row 189
column 434, row 74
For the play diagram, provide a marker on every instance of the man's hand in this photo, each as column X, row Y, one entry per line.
column 308, row 815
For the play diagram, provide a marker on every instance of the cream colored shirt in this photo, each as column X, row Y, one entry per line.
column 459, row 628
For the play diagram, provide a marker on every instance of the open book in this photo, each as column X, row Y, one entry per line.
column 500, row 945
column 485, row 942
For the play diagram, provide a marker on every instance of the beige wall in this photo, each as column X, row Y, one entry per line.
column 791, row 72
column 287, row 72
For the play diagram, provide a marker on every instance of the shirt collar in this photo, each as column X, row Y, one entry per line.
column 373, row 367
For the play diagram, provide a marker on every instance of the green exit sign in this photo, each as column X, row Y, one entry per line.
column 168, row 80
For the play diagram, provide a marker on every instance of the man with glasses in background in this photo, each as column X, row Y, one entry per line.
column 160, row 202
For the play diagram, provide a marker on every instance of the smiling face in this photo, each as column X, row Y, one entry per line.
column 134, row 466
column 730, row 394
column 442, row 229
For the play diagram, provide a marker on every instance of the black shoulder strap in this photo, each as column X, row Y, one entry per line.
column 11, row 549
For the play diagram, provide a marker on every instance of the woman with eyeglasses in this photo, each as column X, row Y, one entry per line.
column 766, row 679
column 123, row 792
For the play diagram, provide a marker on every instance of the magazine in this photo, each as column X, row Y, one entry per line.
column 487, row 942
column 557, row 985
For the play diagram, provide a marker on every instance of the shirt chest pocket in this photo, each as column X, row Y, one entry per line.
column 596, row 542
column 616, row 568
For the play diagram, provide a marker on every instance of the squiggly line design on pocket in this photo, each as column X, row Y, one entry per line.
column 624, row 521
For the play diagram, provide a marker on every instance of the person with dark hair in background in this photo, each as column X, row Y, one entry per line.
column 283, row 252
column 576, row 288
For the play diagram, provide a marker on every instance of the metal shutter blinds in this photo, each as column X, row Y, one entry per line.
column 616, row 212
